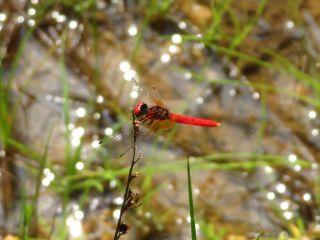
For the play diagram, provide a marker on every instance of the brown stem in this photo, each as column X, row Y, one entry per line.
column 129, row 179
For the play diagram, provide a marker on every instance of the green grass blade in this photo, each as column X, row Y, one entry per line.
column 192, row 221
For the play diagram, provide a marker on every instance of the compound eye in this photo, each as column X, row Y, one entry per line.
column 140, row 109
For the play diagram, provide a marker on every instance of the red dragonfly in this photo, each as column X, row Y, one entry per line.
column 154, row 115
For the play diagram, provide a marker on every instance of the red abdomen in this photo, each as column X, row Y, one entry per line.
column 178, row 118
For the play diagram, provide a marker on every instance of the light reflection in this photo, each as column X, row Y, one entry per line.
column 173, row 49
column 165, row 58
column 232, row 92
column 188, row 75
column 96, row 116
column 292, row 158
column 20, row 19
column 287, row 215
column 31, row 11
column 124, row 66
column 3, row 17
column 268, row 169
column 134, row 94
column 315, row 132
column 79, row 165
column 81, row 112
column 179, row 221
column 281, row 188
column 108, row 131
column 133, row 30
column 297, row 168
column 130, row 74
column 34, row 1
column 196, row 191
column 48, row 177
column 95, row 144
column 113, row 184
column 75, row 226
column 306, row 197
column 31, row 22
column 100, row 99
column 116, row 214
column 147, row 215
column 255, row 95
column 118, row 200
column 73, row 24
column 290, row 24
column 199, row 100
column 284, row 205
column 314, row 166
column 2, row 153
column 271, row 195
column 176, row 38
column 182, row 25
column 75, row 142
column 312, row 114
column 78, row 132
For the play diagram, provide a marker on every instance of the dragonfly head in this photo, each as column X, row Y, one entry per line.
column 140, row 109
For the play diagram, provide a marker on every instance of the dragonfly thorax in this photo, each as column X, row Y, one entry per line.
column 159, row 112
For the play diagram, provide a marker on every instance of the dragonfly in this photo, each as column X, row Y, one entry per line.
column 152, row 114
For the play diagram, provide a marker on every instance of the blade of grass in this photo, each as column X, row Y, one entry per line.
column 191, row 207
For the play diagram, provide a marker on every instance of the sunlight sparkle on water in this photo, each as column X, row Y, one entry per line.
column 271, row 195
column 73, row 24
column 116, row 214
column 78, row 132
column 95, row 144
column 287, row 215
column 130, row 74
column 232, row 92
column 297, row 168
column 199, row 100
column 315, row 132
column 108, row 131
column 133, row 30
column 290, row 24
column 268, row 169
column 176, row 38
column 173, row 49
column 182, row 25
column 20, row 19
column 188, row 75
column 81, row 112
column 2, row 153
column 79, row 165
column 134, row 94
column 292, row 158
column 75, row 226
column 165, row 58
column 179, row 221
column 3, row 17
column 31, row 22
column 124, row 66
column 100, row 99
column 312, row 114
column 255, row 95
column 48, row 177
column 281, row 188
column 31, row 11
column 306, row 197
column 284, row 205
column 118, row 200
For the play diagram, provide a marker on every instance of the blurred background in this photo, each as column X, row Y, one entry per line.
column 66, row 83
